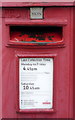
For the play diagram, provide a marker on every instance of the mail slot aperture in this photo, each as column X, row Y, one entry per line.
column 36, row 35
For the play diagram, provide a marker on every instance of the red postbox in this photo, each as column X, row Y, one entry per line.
column 37, row 51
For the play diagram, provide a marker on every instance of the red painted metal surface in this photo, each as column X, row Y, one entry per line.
column 30, row 3
column 63, row 82
column 1, row 64
column 73, row 63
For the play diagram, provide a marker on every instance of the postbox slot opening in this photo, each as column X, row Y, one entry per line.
column 36, row 35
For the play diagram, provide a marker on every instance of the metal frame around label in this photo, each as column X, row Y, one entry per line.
column 17, row 77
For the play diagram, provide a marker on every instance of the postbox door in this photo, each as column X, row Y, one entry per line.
column 37, row 63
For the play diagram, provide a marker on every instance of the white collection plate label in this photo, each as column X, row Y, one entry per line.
column 35, row 83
